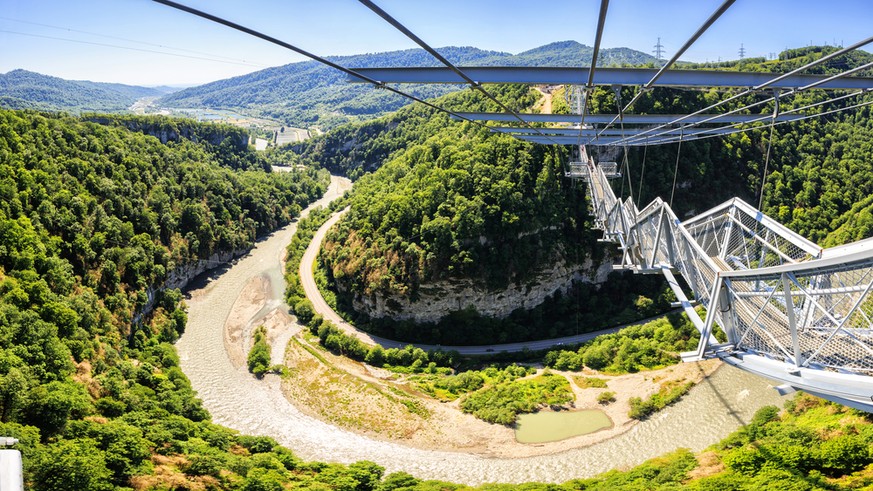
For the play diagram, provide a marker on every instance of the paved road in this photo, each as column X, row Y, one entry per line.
column 321, row 307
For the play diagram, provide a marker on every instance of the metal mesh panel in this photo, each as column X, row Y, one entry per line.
column 578, row 170
column 755, row 245
column 832, row 313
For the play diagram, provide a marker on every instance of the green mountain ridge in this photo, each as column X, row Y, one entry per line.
column 22, row 89
column 298, row 94
column 310, row 94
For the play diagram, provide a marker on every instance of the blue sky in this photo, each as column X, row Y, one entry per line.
column 145, row 43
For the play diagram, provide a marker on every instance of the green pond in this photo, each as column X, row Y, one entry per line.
column 549, row 426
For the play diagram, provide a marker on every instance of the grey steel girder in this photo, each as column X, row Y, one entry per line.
column 628, row 118
column 602, row 76
column 628, row 132
column 603, row 140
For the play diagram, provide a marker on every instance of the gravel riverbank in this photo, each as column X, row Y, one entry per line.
column 238, row 400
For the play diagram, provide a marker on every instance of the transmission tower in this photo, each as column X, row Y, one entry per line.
column 742, row 51
column 659, row 50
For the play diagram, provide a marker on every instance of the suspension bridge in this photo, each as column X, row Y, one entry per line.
column 788, row 309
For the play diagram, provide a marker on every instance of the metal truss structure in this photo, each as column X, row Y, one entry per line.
column 789, row 310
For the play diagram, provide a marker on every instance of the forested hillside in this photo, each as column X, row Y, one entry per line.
column 94, row 215
column 92, row 218
column 21, row 89
column 454, row 202
column 310, row 94
column 459, row 202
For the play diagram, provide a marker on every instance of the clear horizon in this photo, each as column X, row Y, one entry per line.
column 140, row 42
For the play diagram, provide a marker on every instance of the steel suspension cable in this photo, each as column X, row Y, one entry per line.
column 770, row 82
column 630, row 186
column 790, row 111
column 589, row 85
column 766, row 164
column 706, row 25
column 324, row 61
column 755, row 104
column 475, row 85
column 676, row 170
column 642, row 172
column 811, row 116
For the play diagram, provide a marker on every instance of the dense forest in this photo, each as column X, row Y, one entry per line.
column 94, row 219
column 460, row 203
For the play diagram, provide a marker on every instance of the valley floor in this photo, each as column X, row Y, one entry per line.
column 388, row 406
column 388, row 422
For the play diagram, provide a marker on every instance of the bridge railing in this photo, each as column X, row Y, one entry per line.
column 790, row 310
column 745, row 238
column 817, row 314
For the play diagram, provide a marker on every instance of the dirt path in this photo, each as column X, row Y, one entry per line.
column 546, row 107
column 237, row 400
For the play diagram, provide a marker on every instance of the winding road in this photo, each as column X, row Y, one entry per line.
column 236, row 399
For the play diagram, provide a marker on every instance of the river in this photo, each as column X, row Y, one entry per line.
column 236, row 399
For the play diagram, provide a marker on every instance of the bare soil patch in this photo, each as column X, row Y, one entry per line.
column 384, row 405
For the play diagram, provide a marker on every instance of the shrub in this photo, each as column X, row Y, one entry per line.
column 259, row 355
column 304, row 311
column 640, row 409
column 606, row 397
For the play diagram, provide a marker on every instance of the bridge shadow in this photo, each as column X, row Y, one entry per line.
column 205, row 278
column 731, row 408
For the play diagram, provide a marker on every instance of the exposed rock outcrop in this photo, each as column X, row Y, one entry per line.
column 180, row 276
column 167, row 130
column 435, row 300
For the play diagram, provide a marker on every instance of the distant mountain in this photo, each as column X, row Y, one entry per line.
column 299, row 94
column 311, row 94
column 571, row 53
column 21, row 89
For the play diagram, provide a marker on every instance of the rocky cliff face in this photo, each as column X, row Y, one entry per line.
column 438, row 299
column 167, row 130
column 180, row 276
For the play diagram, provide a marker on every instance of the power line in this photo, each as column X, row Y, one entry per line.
column 145, row 43
column 128, row 48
